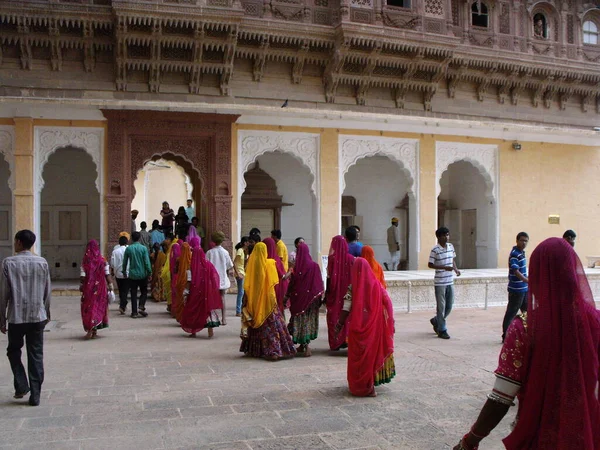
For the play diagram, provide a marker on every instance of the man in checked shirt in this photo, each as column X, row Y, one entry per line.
column 25, row 291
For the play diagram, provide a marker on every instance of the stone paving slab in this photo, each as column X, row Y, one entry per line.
column 144, row 384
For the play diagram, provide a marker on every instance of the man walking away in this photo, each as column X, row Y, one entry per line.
column 219, row 257
column 137, row 259
column 25, row 290
column 144, row 236
column 116, row 264
column 517, row 282
column 442, row 259
column 570, row 237
column 393, row 242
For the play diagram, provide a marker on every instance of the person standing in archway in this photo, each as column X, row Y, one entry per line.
column 190, row 211
column 168, row 217
column 393, row 242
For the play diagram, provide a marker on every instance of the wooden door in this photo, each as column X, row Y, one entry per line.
column 468, row 239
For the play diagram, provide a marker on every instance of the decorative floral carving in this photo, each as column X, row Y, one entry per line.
column 483, row 157
column 303, row 146
column 7, row 148
column 50, row 139
column 403, row 151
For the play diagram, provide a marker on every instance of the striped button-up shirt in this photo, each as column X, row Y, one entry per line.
column 25, row 289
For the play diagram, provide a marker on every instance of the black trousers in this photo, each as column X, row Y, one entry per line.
column 516, row 301
column 33, row 335
column 143, row 285
column 123, row 285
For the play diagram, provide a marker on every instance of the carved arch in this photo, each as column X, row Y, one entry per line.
column 552, row 16
column 484, row 158
column 181, row 161
column 7, row 148
column 403, row 151
column 302, row 146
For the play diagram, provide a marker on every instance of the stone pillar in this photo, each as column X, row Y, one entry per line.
column 24, row 194
column 331, row 197
column 428, row 207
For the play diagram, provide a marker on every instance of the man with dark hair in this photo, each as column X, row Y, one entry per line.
column 190, row 211
column 156, row 235
column 144, row 235
column 219, row 257
column 137, row 259
column 282, row 250
column 570, row 237
column 25, row 290
column 253, row 239
column 517, row 282
column 443, row 259
column 116, row 265
column 354, row 247
column 254, row 231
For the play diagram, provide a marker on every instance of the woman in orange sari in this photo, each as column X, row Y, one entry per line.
column 264, row 331
column 368, row 310
column 369, row 254
column 183, row 265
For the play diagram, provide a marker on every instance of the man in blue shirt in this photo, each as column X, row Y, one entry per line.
column 517, row 282
column 190, row 211
column 354, row 246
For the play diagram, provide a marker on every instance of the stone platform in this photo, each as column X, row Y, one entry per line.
column 476, row 288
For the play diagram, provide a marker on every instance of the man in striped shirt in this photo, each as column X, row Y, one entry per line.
column 517, row 282
column 442, row 259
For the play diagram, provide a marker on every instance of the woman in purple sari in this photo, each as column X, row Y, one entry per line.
column 339, row 277
column 282, row 286
column 95, row 283
column 305, row 293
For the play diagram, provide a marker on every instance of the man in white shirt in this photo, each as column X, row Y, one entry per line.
column 25, row 291
column 442, row 259
column 393, row 242
column 116, row 264
column 219, row 257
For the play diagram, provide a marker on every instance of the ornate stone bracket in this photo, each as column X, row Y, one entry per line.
column 403, row 151
column 49, row 139
column 303, row 146
column 7, row 148
column 483, row 157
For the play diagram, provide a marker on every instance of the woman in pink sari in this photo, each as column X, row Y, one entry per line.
column 339, row 267
column 305, row 293
column 370, row 315
column 549, row 360
column 282, row 286
column 173, row 263
column 191, row 234
column 95, row 282
column 203, row 301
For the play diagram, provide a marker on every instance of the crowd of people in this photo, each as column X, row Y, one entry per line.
column 549, row 359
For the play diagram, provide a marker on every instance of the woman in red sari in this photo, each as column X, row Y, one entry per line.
column 173, row 260
column 549, row 360
column 370, row 316
column 95, row 282
column 282, row 286
column 305, row 293
column 203, row 302
column 183, row 265
column 369, row 254
column 339, row 267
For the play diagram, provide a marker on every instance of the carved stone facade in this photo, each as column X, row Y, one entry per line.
column 7, row 149
column 535, row 53
column 200, row 143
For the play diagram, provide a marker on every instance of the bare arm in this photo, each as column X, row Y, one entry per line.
column 490, row 416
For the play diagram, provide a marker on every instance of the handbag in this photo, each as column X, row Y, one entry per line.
column 111, row 297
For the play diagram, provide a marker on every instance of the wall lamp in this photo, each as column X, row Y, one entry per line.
column 516, row 146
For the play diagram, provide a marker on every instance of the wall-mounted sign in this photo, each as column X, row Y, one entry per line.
column 554, row 219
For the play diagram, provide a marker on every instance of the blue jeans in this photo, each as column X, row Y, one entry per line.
column 240, row 295
column 444, row 298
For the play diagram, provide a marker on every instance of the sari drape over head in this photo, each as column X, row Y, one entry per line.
column 173, row 259
column 94, row 297
column 259, row 283
column 160, row 259
column 339, row 267
column 369, row 254
column 307, row 281
column 370, row 329
column 183, row 266
column 558, row 401
column 165, row 274
column 281, row 288
column 191, row 234
column 282, row 251
column 204, row 295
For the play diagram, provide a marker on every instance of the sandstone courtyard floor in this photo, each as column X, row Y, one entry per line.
column 143, row 384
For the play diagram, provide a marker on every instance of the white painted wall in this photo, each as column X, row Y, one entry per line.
column 5, row 202
column 294, row 184
column 69, row 177
column 378, row 185
column 155, row 185
column 465, row 188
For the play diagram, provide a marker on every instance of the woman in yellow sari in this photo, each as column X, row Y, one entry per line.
column 165, row 274
column 264, row 331
column 156, row 284
column 182, row 268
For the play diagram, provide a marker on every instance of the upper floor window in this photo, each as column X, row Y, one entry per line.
column 590, row 32
column 399, row 3
column 479, row 15
column 540, row 26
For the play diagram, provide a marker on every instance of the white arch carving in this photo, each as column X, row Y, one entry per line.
column 7, row 148
column 484, row 158
column 402, row 151
column 302, row 146
column 50, row 139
